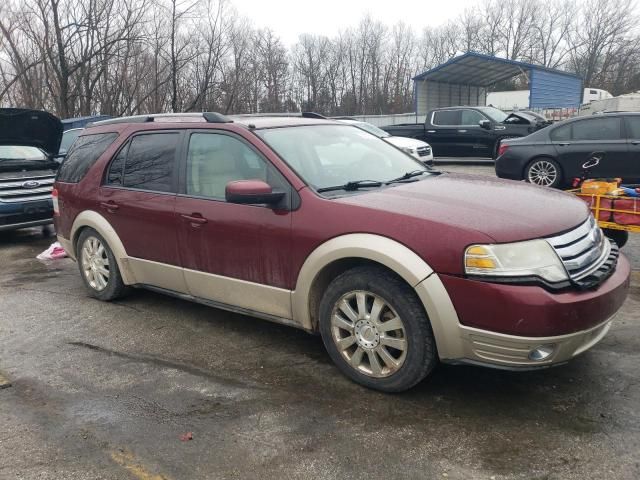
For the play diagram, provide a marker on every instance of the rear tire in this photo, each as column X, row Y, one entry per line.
column 376, row 331
column 544, row 172
column 98, row 267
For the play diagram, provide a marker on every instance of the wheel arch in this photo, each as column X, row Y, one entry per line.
column 92, row 219
column 342, row 253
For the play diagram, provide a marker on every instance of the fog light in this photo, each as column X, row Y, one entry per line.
column 542, row 352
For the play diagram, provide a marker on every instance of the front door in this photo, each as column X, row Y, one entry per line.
column 474, row 140
column 632, row 167
column 237, row 255
column 576, row 141
column 138, row 199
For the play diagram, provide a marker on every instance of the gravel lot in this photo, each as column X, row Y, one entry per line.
column 105, row 390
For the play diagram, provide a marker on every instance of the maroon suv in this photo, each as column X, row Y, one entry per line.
column 323, row 226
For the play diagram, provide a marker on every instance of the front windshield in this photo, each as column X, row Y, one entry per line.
column 494, row 114
column 372, row 129
column 329, row 155
column 11, row 152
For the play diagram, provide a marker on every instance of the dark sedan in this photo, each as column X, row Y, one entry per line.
column 552, row 157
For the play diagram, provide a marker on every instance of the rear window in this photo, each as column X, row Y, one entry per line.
column 146, row 163
column 597, row 129
column 83, row 155
column 446, row 117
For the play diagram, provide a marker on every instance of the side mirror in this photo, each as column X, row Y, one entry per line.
column 251, row 192
column 486, row 124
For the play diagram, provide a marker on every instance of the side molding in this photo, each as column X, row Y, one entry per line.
column 383, row 250
column 89, row 218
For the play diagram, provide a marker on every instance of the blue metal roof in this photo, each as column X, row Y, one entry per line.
column 78, row 122
column 481, row 70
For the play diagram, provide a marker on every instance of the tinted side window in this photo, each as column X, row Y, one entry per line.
column 597, row 129
column 446, row 117
column 83, row 154
column 150, row 162
column 633, row 127
column 213, row 160
column 561, row 134
column 471, row 117
column 116, row 169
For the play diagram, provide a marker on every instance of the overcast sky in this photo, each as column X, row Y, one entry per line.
column 290, row 18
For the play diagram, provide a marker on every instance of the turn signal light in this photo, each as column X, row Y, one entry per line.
column 56, row 205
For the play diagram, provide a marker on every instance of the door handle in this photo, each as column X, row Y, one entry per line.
column 462, row 131
column 431, row 131
column 635, row 142
column 564, row 144
column 109, row 206
column 195, row 219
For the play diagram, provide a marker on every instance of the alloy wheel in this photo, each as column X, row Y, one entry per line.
column 543, row 173
column 369, row 334
column 95, row 263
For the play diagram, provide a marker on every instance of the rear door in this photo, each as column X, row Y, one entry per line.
column 632, row 167
column 442, row 135
column 576, row 141
column 138, row 199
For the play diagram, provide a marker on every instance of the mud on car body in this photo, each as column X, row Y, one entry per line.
column 325, row 227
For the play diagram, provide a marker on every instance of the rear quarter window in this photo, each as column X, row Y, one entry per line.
column 83, row 155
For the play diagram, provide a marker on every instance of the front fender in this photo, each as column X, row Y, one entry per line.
column 393, row 255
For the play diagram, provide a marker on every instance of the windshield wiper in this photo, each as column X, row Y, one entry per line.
column 407, row 176
column 353, row 185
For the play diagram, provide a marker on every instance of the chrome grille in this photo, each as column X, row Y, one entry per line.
column 24, row 189
column 582, row 250
column 423, row 151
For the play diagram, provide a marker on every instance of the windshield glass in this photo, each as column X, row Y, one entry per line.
column 10, row 152
column 372, row 129
column 328, row 155
column 494, row 114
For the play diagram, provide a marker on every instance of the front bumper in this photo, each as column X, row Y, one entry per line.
column 26, row 214
column 500, row 325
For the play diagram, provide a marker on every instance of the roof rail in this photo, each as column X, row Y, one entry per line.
column 282, row 114
column 209, row 117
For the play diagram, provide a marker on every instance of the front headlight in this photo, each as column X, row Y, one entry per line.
column 533, row 258
column 409, row 150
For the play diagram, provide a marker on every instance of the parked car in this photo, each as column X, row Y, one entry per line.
column 554, row 156
column 468, row 131
column 29, row 140
column 319, row 225
column 68, row 137
column 417, row 148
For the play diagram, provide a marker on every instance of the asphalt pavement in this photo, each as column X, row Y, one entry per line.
column 115, row 390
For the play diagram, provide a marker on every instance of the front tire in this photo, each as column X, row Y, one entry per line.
column 376, row 331
column 544, row 172
column 619, row 236
column 98, row 267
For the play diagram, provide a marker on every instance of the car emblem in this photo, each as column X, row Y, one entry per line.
column 30, row 184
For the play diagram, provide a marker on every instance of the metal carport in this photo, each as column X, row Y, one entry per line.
column 464, row 80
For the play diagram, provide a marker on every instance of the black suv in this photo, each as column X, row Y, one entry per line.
column 554, row 156
column 29, row 140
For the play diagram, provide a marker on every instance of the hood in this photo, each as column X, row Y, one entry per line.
column 404, row 142
column 504, row 210
column 32, row 128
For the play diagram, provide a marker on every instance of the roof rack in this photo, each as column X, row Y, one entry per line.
column 285, row 114
column 209, row 117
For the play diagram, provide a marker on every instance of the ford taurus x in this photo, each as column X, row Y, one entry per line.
column 323, row 226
